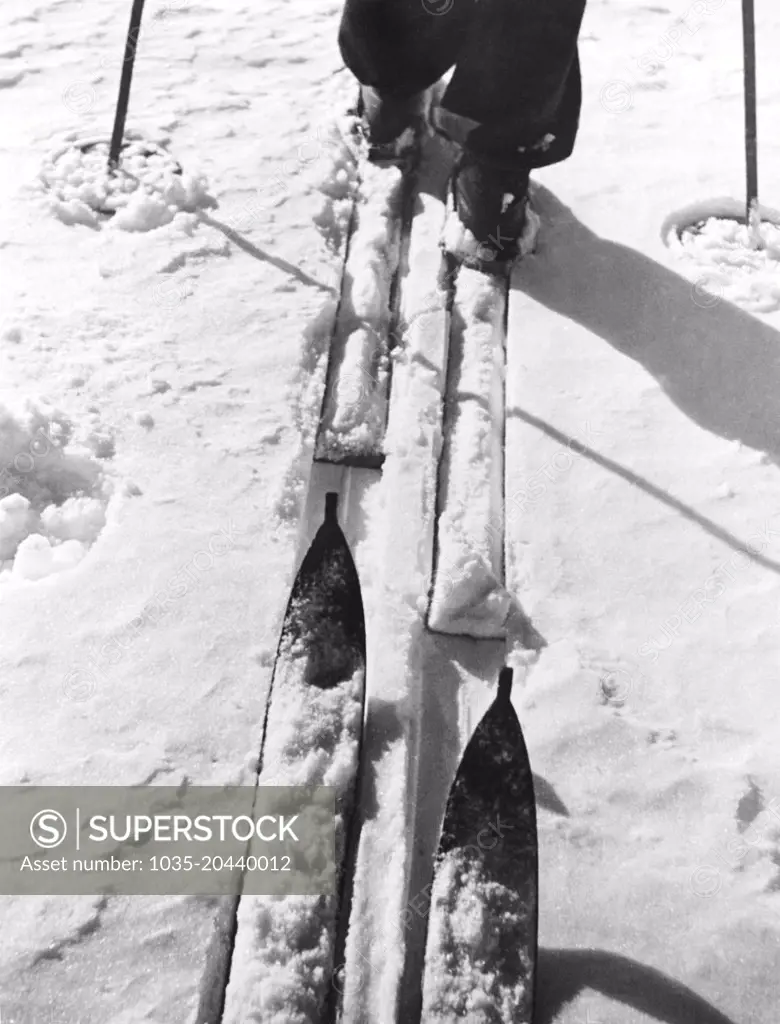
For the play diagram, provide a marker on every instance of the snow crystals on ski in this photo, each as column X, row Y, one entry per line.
column 480, row 957
column 354, row 414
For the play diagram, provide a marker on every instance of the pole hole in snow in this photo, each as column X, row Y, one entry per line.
column 53, row 492
column 726, row 257
column 145, row 191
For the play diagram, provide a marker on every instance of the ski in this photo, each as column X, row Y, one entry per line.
column 481, row 952
column 380, row 977
column 287, row 949
column 354, row 412
column 446, row 322
column 467, row 594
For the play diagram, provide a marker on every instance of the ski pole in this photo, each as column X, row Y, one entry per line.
column 124, row 84
column 753, row 217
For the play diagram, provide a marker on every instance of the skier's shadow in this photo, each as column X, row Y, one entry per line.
column 717, row 363
column 564, row 973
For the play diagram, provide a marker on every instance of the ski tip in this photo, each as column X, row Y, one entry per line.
column 505, row 684
column 332, row 507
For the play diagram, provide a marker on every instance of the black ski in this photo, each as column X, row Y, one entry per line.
column 480, row 960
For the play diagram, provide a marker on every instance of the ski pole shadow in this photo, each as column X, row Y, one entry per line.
column 547, row 797
column 266, row 257
column 708, row 525
column 718, row 364
column 563, row 973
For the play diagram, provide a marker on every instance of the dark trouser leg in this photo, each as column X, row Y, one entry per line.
column 403, row 46
column 518, row 76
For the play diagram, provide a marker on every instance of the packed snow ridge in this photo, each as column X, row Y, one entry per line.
column 53, row 490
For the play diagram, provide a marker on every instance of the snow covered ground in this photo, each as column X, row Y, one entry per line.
column 155, row 388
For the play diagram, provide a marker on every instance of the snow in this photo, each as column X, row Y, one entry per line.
column 649, row 709
column 281, row 968
column 147, row 191
column 36, row 558
column 56, row 491
column 459, row 239
column 727, row 259
column 175, row 358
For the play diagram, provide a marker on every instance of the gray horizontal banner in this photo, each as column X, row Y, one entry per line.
column 159, row 840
